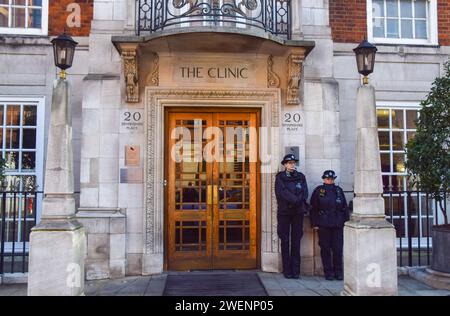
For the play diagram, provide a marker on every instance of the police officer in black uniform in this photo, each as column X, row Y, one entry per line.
column 291, row 191
column 329, row 212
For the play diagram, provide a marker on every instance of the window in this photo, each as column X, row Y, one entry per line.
column 402, row 21
column 22, row 148
column 396, row 125
column 24, row 17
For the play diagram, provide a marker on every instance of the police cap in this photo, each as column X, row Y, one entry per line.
column 329, row 174
column 289, row 157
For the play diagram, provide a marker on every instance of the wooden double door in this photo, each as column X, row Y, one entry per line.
column 212, row 189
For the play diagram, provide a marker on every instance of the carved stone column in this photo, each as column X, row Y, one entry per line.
column 130, row 62
column 58, row 242
column 370, row 257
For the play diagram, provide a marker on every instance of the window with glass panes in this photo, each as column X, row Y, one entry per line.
column 403, row 20
column 21, row 145
column 396, row 125
column 23, row 16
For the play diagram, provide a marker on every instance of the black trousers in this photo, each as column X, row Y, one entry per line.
column 290, row 232
column 331, row 242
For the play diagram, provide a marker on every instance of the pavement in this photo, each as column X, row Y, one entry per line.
column 274, row 283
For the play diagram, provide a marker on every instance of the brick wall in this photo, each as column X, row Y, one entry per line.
column 444, row 22
column 349, row 24
column 348, row 20
column 58, row 15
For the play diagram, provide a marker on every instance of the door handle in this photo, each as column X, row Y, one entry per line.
column 212, row 195
column 215, row 195
column 209, row 197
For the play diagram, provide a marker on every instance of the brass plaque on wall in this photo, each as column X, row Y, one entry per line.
column 132, row 155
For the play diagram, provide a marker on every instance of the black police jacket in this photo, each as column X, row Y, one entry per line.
column 328, row 206
column 291, row 192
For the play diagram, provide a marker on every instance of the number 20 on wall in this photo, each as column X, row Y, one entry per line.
column 135, row 116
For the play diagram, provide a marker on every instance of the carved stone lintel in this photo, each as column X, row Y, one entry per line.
column 154, row 75
column 273, row 81
column 131, row 73
column 295, row 65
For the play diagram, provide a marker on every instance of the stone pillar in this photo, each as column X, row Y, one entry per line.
column 370, row 258
column 58, row 242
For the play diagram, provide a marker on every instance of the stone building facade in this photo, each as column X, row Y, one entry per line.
column 127, row 89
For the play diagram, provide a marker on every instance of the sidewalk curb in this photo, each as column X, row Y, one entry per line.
column 430, row 277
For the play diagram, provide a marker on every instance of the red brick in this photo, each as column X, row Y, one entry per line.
column 58, row 17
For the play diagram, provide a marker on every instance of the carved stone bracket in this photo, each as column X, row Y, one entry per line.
column 273, row 81
column 295, row 66
column 131, row 72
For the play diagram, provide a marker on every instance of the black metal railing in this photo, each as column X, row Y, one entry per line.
column 273, row 16
column 413, row 213
column 18, row 214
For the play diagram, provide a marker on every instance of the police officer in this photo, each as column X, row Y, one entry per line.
column 329, row 212
column 291, row 191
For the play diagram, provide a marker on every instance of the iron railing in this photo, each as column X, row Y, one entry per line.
column 413, row 213
column 18, row 214
column 273, row 16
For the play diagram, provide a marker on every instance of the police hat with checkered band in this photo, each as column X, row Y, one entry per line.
column 289, row 157
column 329, row 174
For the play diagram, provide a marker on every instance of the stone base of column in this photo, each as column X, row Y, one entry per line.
column 370, row 260
column 152, row 263
column 57, row 254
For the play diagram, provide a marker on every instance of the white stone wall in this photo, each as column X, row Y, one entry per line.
column 103, row 199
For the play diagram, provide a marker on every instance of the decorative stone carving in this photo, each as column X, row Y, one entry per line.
column 130, row 65
column 294, row 64
column 150, row 197
column 153, row 79
column 273, row 81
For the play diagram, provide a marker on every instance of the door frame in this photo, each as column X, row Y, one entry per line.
column 213, row 109
column 156, row 100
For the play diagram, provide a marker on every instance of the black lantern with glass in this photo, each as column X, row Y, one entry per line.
column 63, row 50
column 365, row 59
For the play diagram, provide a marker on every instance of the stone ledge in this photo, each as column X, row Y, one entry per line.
column 93, row 212
column 358, row 222
column 101, row 77
column 212, row 39
column 14, row 278
column 430, row 277
column 38, row 40
column 57, row 225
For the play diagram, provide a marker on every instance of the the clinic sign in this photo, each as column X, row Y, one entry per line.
column 224, row 72
column 199, row 72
